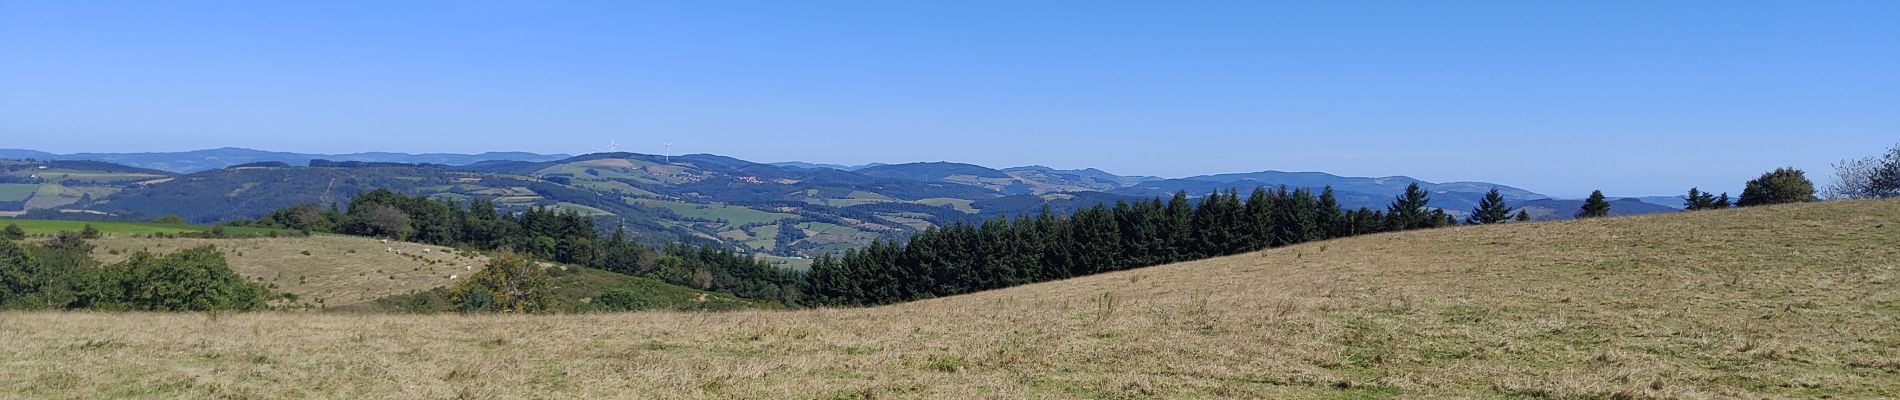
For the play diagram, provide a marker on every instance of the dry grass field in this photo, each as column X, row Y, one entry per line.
column 1798, row 301
column 323, row 270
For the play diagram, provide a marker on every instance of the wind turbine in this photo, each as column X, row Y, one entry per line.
column 669, row 152
column 612, row 146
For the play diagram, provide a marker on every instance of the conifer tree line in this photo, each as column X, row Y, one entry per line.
column 548, row 234
column 1700, row 200
column 1003, row 252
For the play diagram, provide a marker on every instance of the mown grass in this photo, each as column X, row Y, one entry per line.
column 1799, row 301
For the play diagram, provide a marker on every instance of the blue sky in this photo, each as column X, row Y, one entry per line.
column 1637, row 98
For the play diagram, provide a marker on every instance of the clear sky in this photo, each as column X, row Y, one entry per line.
column 1637, row 98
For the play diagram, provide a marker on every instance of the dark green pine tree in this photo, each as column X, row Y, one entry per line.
column 1097, row 241
column 1258, row 218
column 1698, row 200
column 1523, row 216
column 1180, row 229
column 1231, row 219
column 1595, row 206
column 1721, row 202
column 1332, row 221
column 1365, row 221
column 1210, row 225
column 1408, row 210
column 1491, row 210
column 1296, row 220
column 1056, row 247
column 823, row 284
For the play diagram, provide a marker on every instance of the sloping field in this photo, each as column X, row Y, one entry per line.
column 1795, row 301
column 53, row 226
column 323, row 270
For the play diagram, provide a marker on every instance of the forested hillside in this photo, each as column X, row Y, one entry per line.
column 795, row 212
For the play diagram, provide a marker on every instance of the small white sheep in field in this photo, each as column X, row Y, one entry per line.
column 452, row 277
column 468, row 268
column 388, row 249
column 385, row 241
column 425, row 250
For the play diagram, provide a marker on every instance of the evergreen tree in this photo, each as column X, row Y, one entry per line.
column 1721, row 202
column 1697, row 200
column 1258, row 218
column 1141, row 233
column 1490, row 210
column 1180, row 232
column 1523, row 216
column 1595, row 206
column 1097, row 241
column 1331, row 219
column 1408, row 210
column 1295, row 217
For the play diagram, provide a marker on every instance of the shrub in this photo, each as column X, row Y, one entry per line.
column 1783, row 185
column 169, row 219
column 624, row 299
column 196, row 279
column 510, row 282
column 13, row 232
column 18, row 272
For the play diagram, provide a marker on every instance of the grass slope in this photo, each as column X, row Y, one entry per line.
column 1798, row 301
column 52, row 226
column 575, row 288
column 335, row 270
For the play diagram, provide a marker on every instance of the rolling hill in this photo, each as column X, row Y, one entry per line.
column 1555, row 209
column 200, row 160
column 335, row 272
column 26, row 185
column 704, row 198
column 1794, row 301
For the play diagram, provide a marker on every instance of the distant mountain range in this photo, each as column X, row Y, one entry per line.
column 200, row 160
column 1555, row 209
column 694, row 197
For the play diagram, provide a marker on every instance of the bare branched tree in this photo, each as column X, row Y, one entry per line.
column 1873, row 177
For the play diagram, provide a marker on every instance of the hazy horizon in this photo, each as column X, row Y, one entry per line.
column 1633, row 98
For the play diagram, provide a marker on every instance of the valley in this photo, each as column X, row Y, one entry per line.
column 695, row 198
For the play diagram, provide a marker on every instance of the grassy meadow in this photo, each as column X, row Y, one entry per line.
column 51, row 226
column 323, row 271
column 1797, row 301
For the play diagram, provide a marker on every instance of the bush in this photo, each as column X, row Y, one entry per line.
column 170, row 220
column 18, row 272
column 1783, row 185
column 13, row 232
column 195, row 279
column 511, row 283
column 624, row 299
